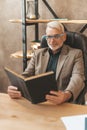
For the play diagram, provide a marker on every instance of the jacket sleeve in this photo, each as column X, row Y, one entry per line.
column 30, row 70
column 77, row 79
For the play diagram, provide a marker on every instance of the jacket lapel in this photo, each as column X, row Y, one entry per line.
column 61, row 60
column 44, row 63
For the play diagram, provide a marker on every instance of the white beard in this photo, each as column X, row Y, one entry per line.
column 53, row 48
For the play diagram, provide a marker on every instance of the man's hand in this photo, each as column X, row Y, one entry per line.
column 13, row 92
column 58, row 97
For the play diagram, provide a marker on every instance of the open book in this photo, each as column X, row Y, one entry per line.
column 33, row 88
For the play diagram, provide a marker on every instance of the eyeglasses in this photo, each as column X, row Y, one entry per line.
column 56, row 36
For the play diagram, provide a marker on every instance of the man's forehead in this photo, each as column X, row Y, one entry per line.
column 53, row 30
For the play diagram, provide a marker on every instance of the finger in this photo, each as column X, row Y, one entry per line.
column 50, row 97
column 56, row 102
column 13, row 91
column 52, row 102
column 54, row 99
column 12, row 88
column 15, row 95
column 55, row 93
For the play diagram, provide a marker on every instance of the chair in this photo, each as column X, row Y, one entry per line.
column 79, row 41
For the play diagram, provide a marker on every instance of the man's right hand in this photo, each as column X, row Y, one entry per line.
column 13, row 92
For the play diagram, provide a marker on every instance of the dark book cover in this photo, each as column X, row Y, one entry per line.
column 33, row 88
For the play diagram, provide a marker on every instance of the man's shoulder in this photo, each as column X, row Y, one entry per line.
column 41, row 50
column 72, row 49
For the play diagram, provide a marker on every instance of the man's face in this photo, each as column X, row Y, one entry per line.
column 55, row 38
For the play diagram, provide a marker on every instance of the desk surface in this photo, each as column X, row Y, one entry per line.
column 21, row 114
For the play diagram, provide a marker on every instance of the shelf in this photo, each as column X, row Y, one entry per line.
column 37, row 20
column 49, row 20
column 19, row 54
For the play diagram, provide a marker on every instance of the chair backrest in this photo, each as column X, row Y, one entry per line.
column 79, row 41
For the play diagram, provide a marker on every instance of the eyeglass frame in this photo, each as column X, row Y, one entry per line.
column 56, row 36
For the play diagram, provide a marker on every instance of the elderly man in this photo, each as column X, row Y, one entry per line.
column 66, row 62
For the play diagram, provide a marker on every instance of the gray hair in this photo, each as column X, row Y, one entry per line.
column 57, row 25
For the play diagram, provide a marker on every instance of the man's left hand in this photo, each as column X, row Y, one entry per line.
column 58, row 97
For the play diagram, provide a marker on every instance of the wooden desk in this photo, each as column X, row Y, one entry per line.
column 22, row 115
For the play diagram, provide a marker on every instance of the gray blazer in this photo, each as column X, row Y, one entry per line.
column 69, row 71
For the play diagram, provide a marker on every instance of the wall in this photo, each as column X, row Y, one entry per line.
column 11, row 33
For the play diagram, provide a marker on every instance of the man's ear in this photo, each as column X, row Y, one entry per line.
column 64, row 37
